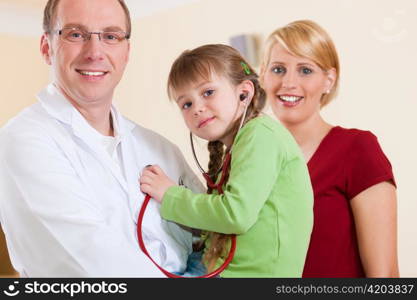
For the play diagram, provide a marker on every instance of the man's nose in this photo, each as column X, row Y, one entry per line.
column 94, row 47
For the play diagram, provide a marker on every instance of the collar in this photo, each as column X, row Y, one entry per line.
column 58, row 106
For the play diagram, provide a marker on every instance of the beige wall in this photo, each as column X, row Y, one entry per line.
column 23, row 74
column 377, row 46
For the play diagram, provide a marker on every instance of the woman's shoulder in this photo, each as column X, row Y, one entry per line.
column 365, row 162
column 351, row 131
column 355, row 144
column 353, row 136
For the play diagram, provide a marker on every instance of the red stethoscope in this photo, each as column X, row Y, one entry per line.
column 225, row 173
column 212, row 185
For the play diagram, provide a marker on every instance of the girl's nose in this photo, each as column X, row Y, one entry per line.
column 198, row 108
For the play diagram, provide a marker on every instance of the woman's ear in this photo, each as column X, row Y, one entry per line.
column 331, row 76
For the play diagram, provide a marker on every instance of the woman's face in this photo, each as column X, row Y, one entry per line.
column 294, row 86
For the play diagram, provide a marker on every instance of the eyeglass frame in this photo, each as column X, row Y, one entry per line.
column 89, row 33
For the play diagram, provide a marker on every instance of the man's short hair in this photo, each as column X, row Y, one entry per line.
column 50, row 11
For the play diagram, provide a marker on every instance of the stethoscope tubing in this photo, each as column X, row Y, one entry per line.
column 167, row 273
column 212, row 185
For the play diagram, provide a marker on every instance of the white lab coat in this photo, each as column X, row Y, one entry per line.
column 68, row 210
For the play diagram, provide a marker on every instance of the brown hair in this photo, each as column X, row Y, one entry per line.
column 50, row 11
column 197, row 64
column 307, row 39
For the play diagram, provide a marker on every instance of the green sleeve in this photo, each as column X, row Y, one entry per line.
column 257, row 158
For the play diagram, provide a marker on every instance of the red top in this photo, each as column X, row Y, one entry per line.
column 347, row 162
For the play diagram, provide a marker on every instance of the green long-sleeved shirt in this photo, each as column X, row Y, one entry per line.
column 267, row 202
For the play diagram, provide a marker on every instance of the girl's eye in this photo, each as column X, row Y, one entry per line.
column 278, row 70
column 306, row 71
column 208, row 93
column 186, row 105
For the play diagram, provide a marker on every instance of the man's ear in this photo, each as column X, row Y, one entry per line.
column 45, row 48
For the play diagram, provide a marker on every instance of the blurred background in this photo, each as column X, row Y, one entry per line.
column 376, row 42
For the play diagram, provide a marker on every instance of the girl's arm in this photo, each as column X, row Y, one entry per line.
column 256, row 163
column 375, row 213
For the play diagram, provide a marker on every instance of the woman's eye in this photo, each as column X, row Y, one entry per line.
column 208, row 93
column 278, row 70
column 306, row 71
column 186, row 105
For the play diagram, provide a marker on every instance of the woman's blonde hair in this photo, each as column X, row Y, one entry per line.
column 199, row 63
column 306, row 39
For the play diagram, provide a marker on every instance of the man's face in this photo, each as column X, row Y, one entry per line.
column 87, row 72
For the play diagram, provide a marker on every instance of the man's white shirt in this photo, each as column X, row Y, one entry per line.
column 70, row 197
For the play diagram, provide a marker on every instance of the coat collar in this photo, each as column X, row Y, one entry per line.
column 58, row 106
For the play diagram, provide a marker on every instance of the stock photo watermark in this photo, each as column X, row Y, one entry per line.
column 71, row 289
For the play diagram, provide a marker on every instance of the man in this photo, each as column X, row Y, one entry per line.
column 69, row 164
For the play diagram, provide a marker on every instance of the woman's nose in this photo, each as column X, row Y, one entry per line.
column 289, row 80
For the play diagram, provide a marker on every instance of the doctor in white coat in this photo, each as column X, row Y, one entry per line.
column 69, row 164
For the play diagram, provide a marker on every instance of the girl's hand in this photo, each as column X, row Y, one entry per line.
column 155, row 182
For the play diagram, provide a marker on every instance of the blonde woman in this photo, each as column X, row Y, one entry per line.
column 355, row 222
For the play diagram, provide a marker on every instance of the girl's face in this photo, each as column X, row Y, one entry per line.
column 294, row 86
column 211, row 107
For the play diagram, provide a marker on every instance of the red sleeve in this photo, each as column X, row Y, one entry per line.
column 367, row 164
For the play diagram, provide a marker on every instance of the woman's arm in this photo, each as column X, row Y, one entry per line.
column 375, row 213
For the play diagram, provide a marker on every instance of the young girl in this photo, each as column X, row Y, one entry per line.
column 267, row 200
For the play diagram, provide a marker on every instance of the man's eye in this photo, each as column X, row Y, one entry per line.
column 75, row 34
column 186, row 105
column 278, row 70
column 208, row 93
column 110, row 36
column 306, row 71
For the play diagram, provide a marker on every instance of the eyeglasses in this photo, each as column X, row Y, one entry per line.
column 77, row 35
